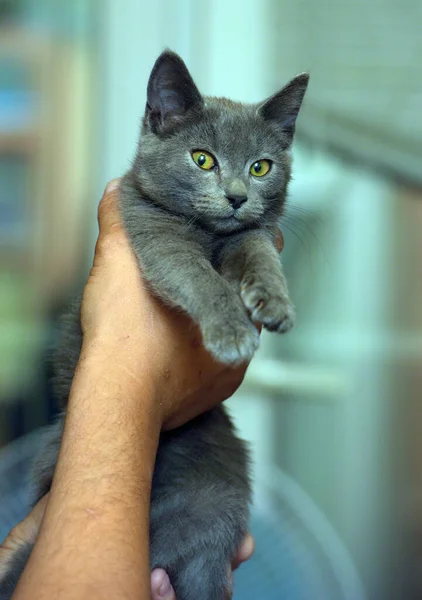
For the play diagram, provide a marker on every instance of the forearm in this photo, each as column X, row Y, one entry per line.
column 93, row 542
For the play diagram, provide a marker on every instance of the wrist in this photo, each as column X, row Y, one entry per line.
column 121, row 369
column 113, row 418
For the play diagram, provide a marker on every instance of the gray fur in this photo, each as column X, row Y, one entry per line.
column 10, row 579
column 218, row 264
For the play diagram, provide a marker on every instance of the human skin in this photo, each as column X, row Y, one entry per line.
column 142, row 369
column 27, row 531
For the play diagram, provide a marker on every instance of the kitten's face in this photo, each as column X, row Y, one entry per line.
column 221, row 164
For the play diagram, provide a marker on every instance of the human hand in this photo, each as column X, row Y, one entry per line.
column 26, row 532
column 119, row 312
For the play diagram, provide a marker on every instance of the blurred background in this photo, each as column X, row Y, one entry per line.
column 333, row 410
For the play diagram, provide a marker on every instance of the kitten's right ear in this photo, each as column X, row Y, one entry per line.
column 283, row 108
column 171, row 92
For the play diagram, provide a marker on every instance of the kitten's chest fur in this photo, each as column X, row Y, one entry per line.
column 145, row 219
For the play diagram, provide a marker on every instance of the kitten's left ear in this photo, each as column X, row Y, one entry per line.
column 283, row 108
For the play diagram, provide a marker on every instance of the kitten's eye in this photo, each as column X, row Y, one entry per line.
column 203, row 159
column 260, row 168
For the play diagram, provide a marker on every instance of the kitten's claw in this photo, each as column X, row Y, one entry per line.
column 268, row 306
column 231, row 343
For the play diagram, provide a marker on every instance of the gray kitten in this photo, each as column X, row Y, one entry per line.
column 200, row 205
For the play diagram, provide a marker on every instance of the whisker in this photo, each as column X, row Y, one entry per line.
column 307, row 228
column 304, row 228
column 295, row 234
column 298, row 208
column 191, row 222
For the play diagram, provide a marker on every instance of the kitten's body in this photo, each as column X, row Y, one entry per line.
column 205, row 243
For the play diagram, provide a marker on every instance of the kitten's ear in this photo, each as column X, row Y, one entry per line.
column 171, row 91
column 283, row 108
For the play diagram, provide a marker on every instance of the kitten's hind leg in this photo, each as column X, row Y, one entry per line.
column 9, row 580
column 205, row 576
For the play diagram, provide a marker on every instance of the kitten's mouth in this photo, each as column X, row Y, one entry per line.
column 231, row 223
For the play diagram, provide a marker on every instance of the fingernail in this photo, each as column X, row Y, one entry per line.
column 161, row 586
column 165, row 587
column 112, row 185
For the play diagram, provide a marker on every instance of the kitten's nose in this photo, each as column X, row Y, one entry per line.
column 237, row 201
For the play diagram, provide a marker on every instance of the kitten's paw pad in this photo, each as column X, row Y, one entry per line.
column 272, row 308
column 231, row 343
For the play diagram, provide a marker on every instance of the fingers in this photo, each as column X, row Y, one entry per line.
column 161, row 588
column 27, row 530
column 108, row 213
column 243, row 554
column 24, row 533
column 245, row 551
column 35, row 518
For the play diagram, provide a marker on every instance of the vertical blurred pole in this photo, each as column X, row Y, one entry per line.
column 367, row 230
column 176, row 27
column 229, row 53
column 129, row 41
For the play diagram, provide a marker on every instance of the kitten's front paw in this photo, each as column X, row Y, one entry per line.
column 231, row 342
column 267, row 304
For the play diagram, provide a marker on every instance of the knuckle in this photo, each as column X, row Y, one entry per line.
column 112, row 185
column 106, row 243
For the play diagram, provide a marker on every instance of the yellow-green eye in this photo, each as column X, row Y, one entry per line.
column 203, row 159
column 260, row 168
